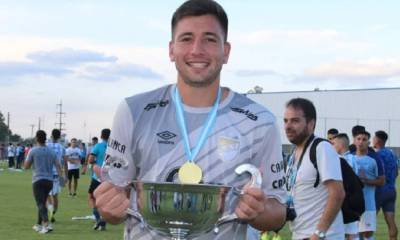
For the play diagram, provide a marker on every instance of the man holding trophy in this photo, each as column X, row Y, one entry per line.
column 195, row 132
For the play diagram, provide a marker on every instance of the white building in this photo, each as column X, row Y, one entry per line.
column 376, row 109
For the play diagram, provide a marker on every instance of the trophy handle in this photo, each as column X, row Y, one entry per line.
column 256, row 181
column 136, row 215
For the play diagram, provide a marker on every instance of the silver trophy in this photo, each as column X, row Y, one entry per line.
column 184, row 211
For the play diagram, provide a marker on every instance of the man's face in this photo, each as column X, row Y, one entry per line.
column 198, row 50
column 362, row 142
column 338, row 145
column 375, row 142
column 331, row 137
column 297, row 129
column 73, row 143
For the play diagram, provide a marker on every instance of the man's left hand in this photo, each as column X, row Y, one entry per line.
column 251, row 204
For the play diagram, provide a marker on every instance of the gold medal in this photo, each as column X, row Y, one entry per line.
column 190, row 173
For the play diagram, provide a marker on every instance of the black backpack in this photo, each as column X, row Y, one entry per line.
column 353, row 205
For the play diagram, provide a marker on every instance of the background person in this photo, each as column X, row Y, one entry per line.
column 318, row 208
column 96, row 158
column 385, row 196
column 368, row 172
column 42, row 159
column 73, row 158
column 59, row 150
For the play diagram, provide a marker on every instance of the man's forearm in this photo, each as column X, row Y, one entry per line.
column 380, row 181
column 273, row 217
column 333, row 206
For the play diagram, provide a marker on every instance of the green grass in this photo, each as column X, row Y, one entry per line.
column 18, row 213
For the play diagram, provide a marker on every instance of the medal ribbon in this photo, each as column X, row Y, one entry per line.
column 212, row 115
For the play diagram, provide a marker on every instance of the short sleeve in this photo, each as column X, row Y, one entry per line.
column 328, row 162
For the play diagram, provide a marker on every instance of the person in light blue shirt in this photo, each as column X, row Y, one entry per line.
column 341, row 144
column 385, row 196
column 367, row 170
column 96, row 158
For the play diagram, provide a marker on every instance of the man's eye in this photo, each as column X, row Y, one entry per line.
column 185, row 39
column 211, row 40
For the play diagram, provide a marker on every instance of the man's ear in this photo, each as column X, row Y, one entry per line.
column 171, row 51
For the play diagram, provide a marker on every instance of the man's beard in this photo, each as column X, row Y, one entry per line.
column 301, row 137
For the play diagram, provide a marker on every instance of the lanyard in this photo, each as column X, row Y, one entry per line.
column 291, row 173
column 212, row 115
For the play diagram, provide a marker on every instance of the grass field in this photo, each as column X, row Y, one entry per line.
column 18, row 213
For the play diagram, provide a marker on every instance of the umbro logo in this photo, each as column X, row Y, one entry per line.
column 166, row 136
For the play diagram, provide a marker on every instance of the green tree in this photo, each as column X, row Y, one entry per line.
column 5, row 131
column 3, row 128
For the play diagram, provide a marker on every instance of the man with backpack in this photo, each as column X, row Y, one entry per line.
column 314, row 211
column 368, row 172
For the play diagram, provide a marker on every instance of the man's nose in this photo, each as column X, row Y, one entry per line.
column 197, row 47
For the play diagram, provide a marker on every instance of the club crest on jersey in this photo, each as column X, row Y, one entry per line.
column 228, row 148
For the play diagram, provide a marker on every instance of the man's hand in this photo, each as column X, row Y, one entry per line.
column 251, row 204
column 84, row 169
column 111, row 202
column 314, row 237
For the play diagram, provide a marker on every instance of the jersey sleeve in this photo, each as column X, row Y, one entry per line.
column 95, row 150
column 29, row 158
column 119, row 153
column 272, row 167
column 328, row 162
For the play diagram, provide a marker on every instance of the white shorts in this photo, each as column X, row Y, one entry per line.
column 56, row 187
column 367, row 222
column 351, row 228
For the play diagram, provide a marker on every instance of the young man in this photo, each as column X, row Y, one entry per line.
column 11, row 156
column 148, row 144
column 96, row 158
column 43, row 159
column 368, row 173
column 318, row 208
column 73, row 154
column 331, row 134
column 385, row 195
column 341, row 144
column 59, row 150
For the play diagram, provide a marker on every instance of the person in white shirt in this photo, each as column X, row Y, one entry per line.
column 318, row 208
column 72, row 155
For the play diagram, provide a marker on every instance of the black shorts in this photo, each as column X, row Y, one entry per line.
column 386, row 201
column 93, row 185
column 73, row 173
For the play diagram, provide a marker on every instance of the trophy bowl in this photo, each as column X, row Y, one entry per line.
column 180, row 210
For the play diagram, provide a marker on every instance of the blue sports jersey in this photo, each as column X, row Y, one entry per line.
column 368, row 166
column 390, row 165
column 99, row 151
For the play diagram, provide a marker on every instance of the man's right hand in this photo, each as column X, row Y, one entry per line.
column 111, row 202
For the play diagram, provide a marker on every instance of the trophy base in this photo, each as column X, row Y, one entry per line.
column 178, row 233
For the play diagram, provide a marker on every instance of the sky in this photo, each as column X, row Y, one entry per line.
column 91, row 54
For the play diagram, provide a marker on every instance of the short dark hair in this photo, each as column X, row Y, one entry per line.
column 363, row 133
column 199, row 8
column 382, row 135
column 306, row 106
column 356, row 129
column 333, row 131
column 56, row 134
column 95, row 139
column 105, row 133
column 343, row 137
column 41, row 136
